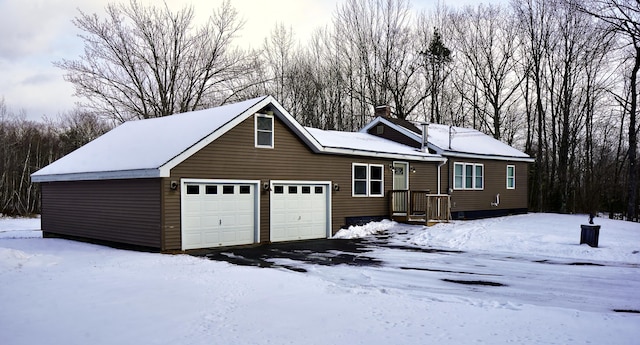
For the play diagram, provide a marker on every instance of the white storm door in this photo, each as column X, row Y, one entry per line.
column 400, row 182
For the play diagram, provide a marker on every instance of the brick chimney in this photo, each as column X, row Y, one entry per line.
column 383, row 110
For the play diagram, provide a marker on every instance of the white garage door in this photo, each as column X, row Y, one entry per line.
column 218, row 214
column 299, row 211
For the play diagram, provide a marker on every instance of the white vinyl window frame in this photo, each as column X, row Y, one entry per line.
column 511, row 177
column 367, row 180
column 264, row 137
column 468, row 176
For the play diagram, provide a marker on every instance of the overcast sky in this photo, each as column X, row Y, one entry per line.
column 35, row 33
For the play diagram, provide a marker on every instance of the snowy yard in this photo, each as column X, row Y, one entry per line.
column 519, row 279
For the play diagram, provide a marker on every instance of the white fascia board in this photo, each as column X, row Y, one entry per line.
column 408, row 133
column 165, row 169
column 440, row 150
column 488, row 157
column 372, row 154
column 295, row 126
column 98, row 175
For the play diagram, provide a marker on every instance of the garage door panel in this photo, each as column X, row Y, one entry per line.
column 298, row 211
column 220, row 214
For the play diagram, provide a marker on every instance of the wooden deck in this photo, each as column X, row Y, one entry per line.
column 419, row 206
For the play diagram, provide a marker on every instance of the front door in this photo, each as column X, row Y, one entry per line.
column 400, row 177
column 400, row 182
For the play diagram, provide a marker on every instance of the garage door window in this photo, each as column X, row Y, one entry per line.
column 193, row 189
column 227, row 189
column 278, row 189
column 245, row 190
column 293, row 190
column 211, row 189
column 319, row 190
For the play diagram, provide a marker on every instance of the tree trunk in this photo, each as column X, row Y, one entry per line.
column 633, row 141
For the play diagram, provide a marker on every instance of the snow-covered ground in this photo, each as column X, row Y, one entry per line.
column 520, row 279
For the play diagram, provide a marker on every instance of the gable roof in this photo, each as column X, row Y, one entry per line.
column 365, row 144
column 151, row 148
column 452, row 141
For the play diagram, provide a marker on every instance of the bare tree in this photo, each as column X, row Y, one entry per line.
column 623, row 17
column 77, row 128
column 488, row 43
column 534, row 17
column 278, row 52
column 378, row 39
column 142, row 62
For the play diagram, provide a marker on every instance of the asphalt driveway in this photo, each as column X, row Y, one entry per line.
column 387, row 262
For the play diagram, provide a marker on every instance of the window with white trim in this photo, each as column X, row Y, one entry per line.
column 367, row 179
column 264, row 130
column 511, row 177
column 468, row 176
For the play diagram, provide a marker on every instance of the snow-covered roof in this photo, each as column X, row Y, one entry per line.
column 151, row 148
column 360, row 143
column 452, row 141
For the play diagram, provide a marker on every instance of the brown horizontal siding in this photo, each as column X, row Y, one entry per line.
column 122, row 211
column 495, row 182
column 233, row 156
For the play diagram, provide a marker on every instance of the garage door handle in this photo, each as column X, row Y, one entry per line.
column 299, row 217
column 220, row 221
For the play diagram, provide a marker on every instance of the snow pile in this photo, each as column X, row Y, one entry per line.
column 549, row 235
column 359, row 231
column 19, row 227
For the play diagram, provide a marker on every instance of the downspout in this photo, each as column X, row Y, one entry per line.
column 439, row 178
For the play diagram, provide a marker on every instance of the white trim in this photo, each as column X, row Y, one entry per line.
column 418, row 139
column 256, row 202
column 421, row 156
column 381, row 181
column 400, row 129
column 329, row 191
column 353, row 180
column 256, row 116
column 464, row 176
column 98, row 175
column 406, row 174
column 368, row 181
column 486, row 157
column 514, row 176
column 165, row 169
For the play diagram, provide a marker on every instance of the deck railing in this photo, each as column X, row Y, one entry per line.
column 419, row 206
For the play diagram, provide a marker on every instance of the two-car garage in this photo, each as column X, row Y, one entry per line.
column 219, row 213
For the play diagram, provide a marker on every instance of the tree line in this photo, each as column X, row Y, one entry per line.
column 28, row 146
column 557, row 79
